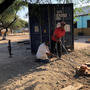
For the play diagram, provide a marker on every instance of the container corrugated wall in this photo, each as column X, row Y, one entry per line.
column 43, row 19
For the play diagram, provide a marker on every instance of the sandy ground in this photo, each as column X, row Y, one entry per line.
column 15, row 37
column 80, row 42
column 21, row 72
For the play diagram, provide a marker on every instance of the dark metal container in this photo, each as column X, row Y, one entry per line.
column 43, row 19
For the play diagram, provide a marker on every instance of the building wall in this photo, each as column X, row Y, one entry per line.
column 82, row 21
column 85, row 31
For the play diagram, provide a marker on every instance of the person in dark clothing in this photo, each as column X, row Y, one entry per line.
column 9, row 48
column 59, row 32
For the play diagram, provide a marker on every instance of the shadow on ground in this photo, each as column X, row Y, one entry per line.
column 21, row 63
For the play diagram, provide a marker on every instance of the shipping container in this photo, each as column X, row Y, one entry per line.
column 43, row 19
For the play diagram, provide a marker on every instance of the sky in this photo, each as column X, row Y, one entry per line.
column 22, row 13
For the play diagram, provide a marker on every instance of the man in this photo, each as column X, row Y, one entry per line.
column 59, row 32
column 43, row 53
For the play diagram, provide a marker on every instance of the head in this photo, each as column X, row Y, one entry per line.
column 47, row 43
column 62, row 24
column 58, row 25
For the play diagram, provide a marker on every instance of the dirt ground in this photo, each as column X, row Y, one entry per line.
column 80, row 42
column 21, row 72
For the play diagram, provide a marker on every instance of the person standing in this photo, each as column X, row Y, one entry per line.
column 58, row 33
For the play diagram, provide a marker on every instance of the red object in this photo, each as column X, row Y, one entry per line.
column 83, row 67
column 58, row 33
column 63, row 23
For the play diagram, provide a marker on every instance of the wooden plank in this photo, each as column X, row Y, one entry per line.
column 73, row 87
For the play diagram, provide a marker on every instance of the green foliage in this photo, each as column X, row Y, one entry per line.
column 10, row 13
column 89, row 12
column 1, row 1
column 18, row 24
column 77, row 10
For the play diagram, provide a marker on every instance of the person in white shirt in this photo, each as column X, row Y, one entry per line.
column 43, row 53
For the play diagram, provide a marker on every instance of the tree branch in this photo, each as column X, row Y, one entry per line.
column 5, row 4
column 11, row 22
column 37, row 1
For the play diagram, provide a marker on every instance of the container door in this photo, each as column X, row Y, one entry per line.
column 35, row 36
column 64, row 12
column 44, row 23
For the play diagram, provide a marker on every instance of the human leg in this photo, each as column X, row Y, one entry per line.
column 53, row 46
column 43, row 61
column 59, row 50
column 46, row 61
column 38, row 60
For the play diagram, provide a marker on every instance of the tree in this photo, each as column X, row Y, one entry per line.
column 8, row 17
column 75, row 2
column 4, row 4
column 11, row 8
column 18, row 24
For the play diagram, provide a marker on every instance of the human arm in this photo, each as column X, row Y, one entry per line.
column 61, row 35
column 49, row 54
column 58, row 34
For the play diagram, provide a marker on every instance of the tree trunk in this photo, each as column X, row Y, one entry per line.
column 4, row 36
